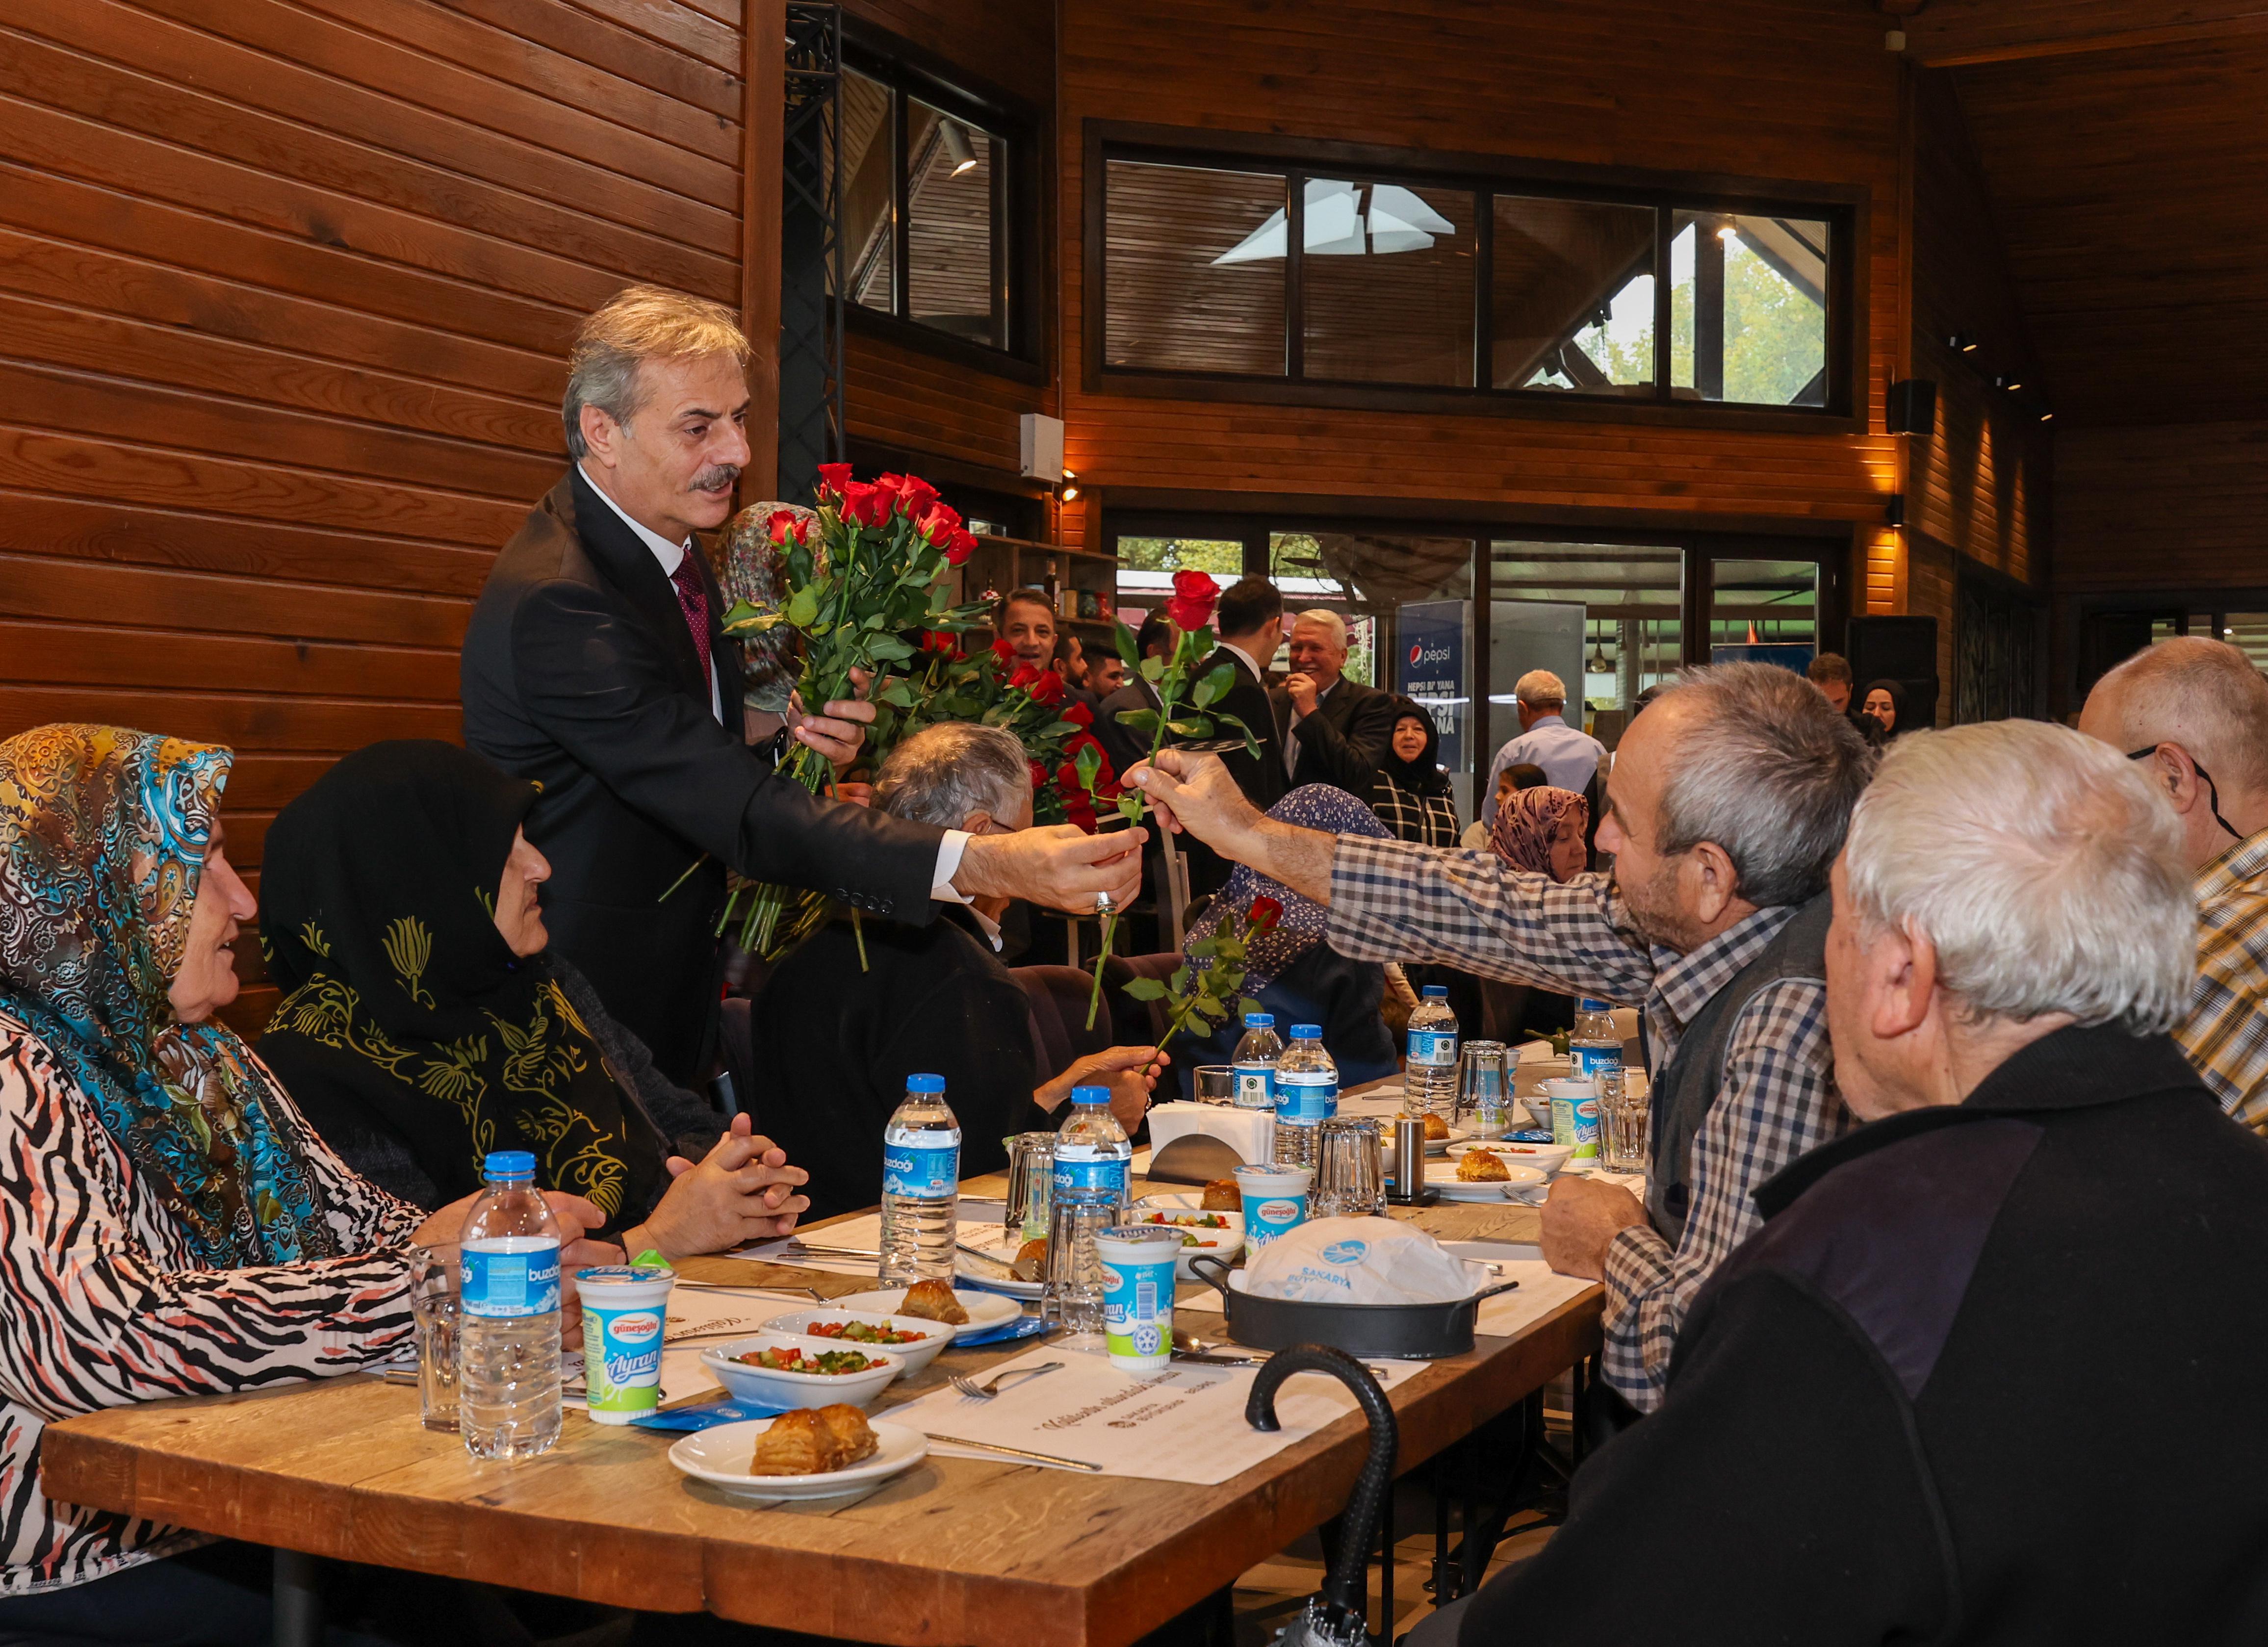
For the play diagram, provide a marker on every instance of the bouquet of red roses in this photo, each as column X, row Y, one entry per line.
column 868, row 569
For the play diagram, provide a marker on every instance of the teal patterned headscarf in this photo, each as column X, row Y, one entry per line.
column 102, row 840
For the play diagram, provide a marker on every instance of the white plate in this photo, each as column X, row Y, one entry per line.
column 1445, row 1179
column 720, row 1456
column 986, row 1309
column 915, row 1356
column 1546, row 1157
column 971, row 1272
column 1227, row 1243
column 765, row 1387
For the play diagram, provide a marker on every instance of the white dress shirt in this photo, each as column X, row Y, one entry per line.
column 672, row 555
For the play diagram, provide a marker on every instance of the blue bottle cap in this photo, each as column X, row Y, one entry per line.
column 1307, row 1031
column 1260, row 1020
column 925, row 1083
column 1586, row 1004
column 509, row 1163
column 1090, row 1095
column 1437, row 992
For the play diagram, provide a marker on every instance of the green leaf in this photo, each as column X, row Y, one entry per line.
column 1180, row 981
column 1249, row 1003
column 1153, row 669
column 1126, row 638
column 889, row 649
column 1194, row 726
column 895, row 693
column 1141, row 723
column 1088, row 764
column 1148, row 990
column 1130, row 806
column 1251, row 742
column 1215, row 686
column 1207, row 1007
column 803, row 607
column 1206, row 948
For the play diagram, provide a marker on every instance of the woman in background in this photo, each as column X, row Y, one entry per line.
column 1882, row 712
column 1540, row 831
column 1410, row 793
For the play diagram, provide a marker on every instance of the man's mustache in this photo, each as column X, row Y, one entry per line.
column 717, row 477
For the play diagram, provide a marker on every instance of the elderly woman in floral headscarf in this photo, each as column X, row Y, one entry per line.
column 1541, row 831
column 169, row 1225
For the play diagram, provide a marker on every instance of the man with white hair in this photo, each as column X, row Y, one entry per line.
column 2195, row 713
column 1902, row 1411
column 1570, row 756
column 1726, row 810
column 595, row 665
column 1335, row 730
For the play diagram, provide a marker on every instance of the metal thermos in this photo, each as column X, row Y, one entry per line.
column 1409, row 1161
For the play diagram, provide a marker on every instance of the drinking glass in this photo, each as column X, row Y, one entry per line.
column 435, row 1302
column 1073, row 1296
column 1484, row 1090
column 1625, row 1122
column 1216, row 1083
column 1349, row 1169
column 1031, row 1173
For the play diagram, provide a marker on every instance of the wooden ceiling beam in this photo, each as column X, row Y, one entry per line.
column 1971, row 32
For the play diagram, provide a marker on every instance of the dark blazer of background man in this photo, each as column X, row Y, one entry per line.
column 584, row 669
column 1342, row 738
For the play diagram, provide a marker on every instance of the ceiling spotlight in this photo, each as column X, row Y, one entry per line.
column 957, row 146
column 1730, row 231
column 1070, row 494
column 2047, row 417
column 2010, row 384
column 1961, row 343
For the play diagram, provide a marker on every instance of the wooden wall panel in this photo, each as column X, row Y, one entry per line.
column 1780, row 88
column 284, row 291
column 2174, row 508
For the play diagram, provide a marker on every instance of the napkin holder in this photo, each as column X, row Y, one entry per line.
column 1195, row 1143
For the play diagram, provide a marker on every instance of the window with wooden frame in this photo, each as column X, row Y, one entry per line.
column 1351, row 276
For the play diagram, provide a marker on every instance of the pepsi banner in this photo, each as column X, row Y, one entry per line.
column 1430, row 667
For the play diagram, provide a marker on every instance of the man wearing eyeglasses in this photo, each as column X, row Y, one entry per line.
column 2194, row 713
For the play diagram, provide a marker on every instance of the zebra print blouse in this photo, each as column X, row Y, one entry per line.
column 106, row 1307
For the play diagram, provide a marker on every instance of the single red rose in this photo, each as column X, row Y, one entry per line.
column 1106, row 781
column 1077, row 807
column 783, row 526
column 1265, row 913
column 1079, row 714
column 1047, row 688
column 1190, row 584
column 936, row 521
column 1039, row 773
column 1194, row 598
column 940, row 641
column 963, row 546
column 833, row 480
column 1004, row 651
column 916, row 496
column 866, row 505
column 1026, row 678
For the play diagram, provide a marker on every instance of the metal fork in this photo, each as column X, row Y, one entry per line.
column 991, row 1387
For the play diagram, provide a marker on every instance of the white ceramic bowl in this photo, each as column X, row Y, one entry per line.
column 721, row 1454
column 766, row 1387
column 935, row 1334
column 1547, row 1158
column 1221, row 1244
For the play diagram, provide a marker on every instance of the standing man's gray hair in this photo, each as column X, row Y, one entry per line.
column 1767, row 771
column 638, row 324
column 2058, row 887
column 1541, row 689
column 1323, row 617
column 944, row 773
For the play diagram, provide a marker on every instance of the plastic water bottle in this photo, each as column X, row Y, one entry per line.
column 1307, row 1095
column 1429, row 1076
column 1256, row 1055
column 1094, row 1160
column 921, row 1186
column 508, row 1335
column 1094, row 1164
column 1592, row 1045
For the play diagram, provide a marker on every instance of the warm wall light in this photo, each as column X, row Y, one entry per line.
column 1962, row 343
column 957, row 147
column 1894, row 511
column 1070, row 494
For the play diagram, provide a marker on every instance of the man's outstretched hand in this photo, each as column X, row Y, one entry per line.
column 1061, row 866
column 1196, row 794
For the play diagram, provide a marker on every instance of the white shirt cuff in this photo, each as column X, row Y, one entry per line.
column 948, row 865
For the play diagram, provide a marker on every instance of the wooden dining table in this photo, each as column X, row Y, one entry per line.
column 956, row 1551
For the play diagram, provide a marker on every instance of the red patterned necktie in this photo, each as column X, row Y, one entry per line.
column 693, row 600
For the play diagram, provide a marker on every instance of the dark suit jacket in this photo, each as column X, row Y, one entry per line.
column 934, row 1000
column 1345, row 740
column 579, row 672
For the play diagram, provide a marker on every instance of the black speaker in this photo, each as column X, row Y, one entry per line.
column 1903, row 650
column 1911, row 408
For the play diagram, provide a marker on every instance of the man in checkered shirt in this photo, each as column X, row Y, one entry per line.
column 1725, row 808
column 2196, row 711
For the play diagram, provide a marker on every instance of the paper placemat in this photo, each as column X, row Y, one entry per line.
column 1184, row 1424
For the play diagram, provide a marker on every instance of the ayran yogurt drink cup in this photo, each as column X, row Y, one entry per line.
column 1138, row 1294
column 625, row 1310
column 1575, row 1115
column 1275, row 1201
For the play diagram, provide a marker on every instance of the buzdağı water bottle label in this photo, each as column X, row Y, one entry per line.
column 1434, row 1048
column 1091, row 1178
column 511, row 1277
column 1303, row 1102
column 1590, row 1063
column 923, row 1171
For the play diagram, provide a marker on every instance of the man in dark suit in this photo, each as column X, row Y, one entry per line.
column 1335, row 730
column 595, row 665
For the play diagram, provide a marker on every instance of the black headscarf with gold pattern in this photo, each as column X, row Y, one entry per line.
column 401, row 1000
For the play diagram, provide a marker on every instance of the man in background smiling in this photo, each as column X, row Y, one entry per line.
column 595, row 665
